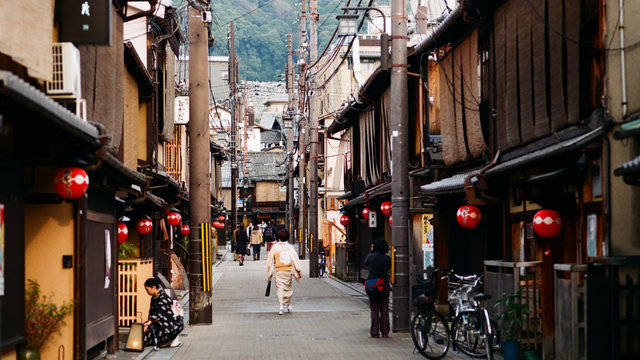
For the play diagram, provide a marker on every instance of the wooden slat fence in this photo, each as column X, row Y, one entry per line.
column 133, row 300
column 570, row 311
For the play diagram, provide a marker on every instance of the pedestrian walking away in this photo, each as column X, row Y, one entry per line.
column 241, row 243
column 163, row 325
column 270, row 235
column 283, row 265
column 256, row 242
column 379, row 264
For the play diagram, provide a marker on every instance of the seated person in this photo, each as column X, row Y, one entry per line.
column 163, row 325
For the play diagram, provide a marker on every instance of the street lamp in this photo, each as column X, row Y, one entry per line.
column 348, row 26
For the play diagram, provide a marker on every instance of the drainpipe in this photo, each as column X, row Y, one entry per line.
column 104, row 141
column 153, row 4
column 623, row 74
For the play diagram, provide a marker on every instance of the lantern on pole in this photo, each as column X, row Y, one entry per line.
column 547, row 223
column 221, row 226
column 216, row 224
column 385, row 208
column 71, row 182
column 184, row 230
column 144, row 226
column 468, row 216
column 365, row 213
column 345, row 220
column 174, row 218
column 221, row 218
column 123, row 233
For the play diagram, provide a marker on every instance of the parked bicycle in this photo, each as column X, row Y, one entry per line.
column 322, row 262
column 429, row 328
column 473, row 332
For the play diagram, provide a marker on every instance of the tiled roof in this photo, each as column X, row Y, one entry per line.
column 263, row 168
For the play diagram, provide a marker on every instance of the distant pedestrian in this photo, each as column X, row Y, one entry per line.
column 256, row 242
column 249, row 229
column 282, row 265
column 241, row 243
column 270, row 235
column 379, row 264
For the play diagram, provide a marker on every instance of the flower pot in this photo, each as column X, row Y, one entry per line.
column 28, row 354
column 511, row 349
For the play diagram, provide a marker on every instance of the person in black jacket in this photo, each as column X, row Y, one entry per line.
column 241, row 243
column 379, row 264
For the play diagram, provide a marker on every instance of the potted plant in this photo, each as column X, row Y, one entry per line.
column 42, row 318
column 511, row 319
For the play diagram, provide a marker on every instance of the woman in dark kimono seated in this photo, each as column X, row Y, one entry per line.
column 163, row 326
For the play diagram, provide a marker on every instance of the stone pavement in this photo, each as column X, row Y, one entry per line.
column 330, row 320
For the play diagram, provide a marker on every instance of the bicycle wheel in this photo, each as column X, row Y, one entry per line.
column 430, row 334
column 465, row 331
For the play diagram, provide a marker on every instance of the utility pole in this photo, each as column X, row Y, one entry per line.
column 200, row 309
column 313, row 149
column 400, row 175
column 302, row 133
column 233, row 81
column 289, row 128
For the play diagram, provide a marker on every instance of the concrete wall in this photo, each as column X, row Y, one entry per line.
column 49, row 234
column 625, row 199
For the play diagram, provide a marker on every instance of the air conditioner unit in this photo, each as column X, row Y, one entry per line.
column 77, row 106
column 66, row 72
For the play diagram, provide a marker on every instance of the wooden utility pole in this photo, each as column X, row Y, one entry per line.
column 399, row 171
column 200, row 309
column 289, row 128
column 233, row 81
column 302, row 132
column 313, row 148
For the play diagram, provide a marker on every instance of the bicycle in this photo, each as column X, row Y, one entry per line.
column 429, row 328
column 473, row 332
column 322, row 262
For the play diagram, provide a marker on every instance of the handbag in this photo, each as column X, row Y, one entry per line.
column 374, row 286
column 268, row 291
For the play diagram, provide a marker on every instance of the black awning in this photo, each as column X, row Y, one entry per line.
column 545, row 149
column 630, row 171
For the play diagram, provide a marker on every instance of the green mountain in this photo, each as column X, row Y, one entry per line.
column 261, row 29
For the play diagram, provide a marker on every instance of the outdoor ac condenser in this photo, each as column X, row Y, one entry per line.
column 66, row 72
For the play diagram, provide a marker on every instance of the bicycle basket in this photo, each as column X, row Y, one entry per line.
column 425, row 288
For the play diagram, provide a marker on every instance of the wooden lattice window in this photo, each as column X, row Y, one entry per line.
column 173, row 158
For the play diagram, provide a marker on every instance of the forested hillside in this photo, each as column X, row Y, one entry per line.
column 261, row 28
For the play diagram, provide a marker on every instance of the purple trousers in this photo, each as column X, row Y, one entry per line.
column 379, row 306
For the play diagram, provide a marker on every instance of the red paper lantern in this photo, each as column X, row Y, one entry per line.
column 221, row 226
column 144, row 226
column 216, row 224
column 469, row 216
column 184, row 230
column 345, row 220
column 365, row 213
column 123, row 233
column 390, row 221
column 71, row 182
column 174, row 218
column 221, row 218
column 547, row 223
column 385, row 208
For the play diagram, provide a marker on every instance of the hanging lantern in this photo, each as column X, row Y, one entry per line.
column 144, row 226
column 547, row 223
column 390, row 221
column 385, row 208
column 123, row 233
column 365, row 213
column 71, row 182
column 345, row 220
column 216, row 224
column 221, row 218
column 174, row 218
column 184, row 230
column 469, row 216
column 221, row 226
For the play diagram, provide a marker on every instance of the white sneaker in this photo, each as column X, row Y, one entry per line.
column 288, row 308
column 176, row 342
column 281, row 311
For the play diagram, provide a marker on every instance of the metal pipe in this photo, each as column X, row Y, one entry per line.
column 153, row 4
column 623, row 73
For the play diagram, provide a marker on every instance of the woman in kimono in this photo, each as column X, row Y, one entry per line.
column 241, row 243
column 283, row 264
column 163, row 325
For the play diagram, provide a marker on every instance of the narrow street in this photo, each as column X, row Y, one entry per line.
column 330, row 320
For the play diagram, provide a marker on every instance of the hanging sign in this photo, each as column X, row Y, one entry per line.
column 181, row 110
column 373, row 219
column 85, row 21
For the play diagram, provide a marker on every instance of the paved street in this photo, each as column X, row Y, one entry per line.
column 330, row 320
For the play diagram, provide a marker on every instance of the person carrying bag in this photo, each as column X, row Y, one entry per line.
column 377, row 287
